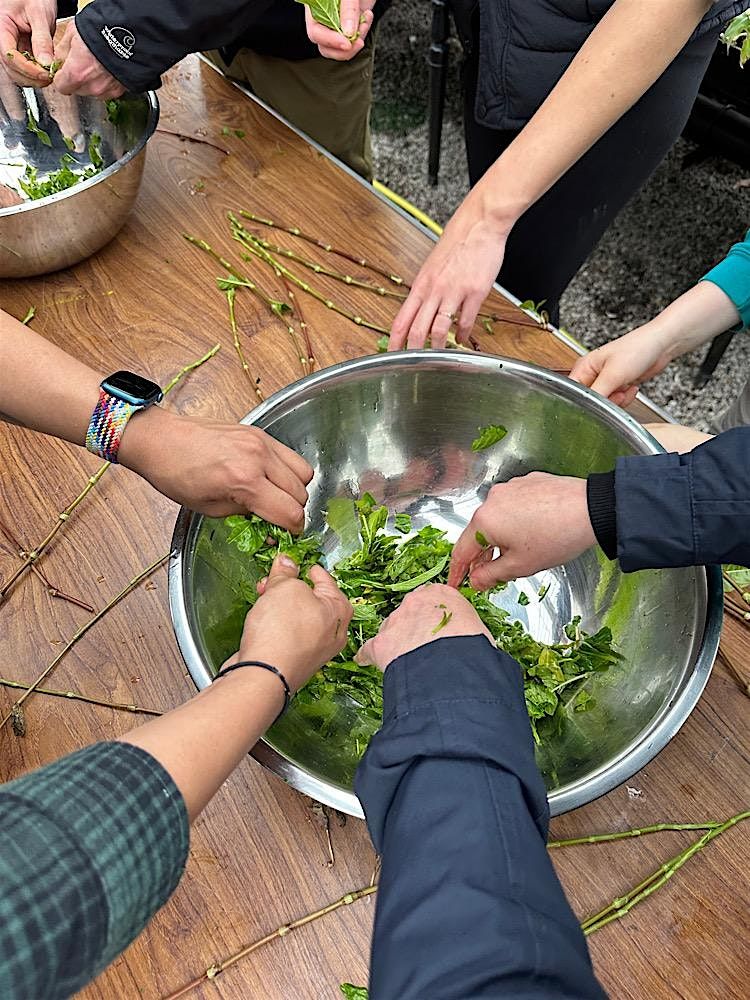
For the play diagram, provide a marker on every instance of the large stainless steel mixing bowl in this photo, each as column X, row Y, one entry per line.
column 401, row 426
column 65, row 228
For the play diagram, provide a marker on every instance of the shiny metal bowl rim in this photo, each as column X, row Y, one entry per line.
column 669, row 721
column 153, row 118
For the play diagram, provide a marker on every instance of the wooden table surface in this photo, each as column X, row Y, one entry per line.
column 258, row 858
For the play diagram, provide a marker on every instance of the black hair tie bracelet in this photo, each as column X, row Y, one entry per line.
column 264, row 666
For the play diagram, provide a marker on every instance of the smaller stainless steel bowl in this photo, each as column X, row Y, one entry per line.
column 65, row 228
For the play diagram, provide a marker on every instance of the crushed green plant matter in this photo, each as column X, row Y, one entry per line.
column 32, row 125
column 354, row 992
column 36, row 187
column 488, row 436
column 375, row 577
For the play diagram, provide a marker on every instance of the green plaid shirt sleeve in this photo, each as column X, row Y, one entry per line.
column 90, row 847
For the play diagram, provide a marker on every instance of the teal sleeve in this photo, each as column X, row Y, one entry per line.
column 732, row 275
column 90, row 847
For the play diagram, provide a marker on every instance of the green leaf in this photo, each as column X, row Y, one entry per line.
column 354, row 992
column 114, row 111
column 382, row 344
column 33, row 126
column 523, row 599
column 402, row 523
column 481, row 540
column 488, row 436
column 325, row 12
column 95, row 142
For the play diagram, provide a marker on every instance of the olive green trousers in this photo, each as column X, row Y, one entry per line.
column 327, row 100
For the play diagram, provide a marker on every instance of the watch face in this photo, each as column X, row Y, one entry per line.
column 132, row 388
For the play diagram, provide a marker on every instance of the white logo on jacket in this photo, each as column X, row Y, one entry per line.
column 120, row 40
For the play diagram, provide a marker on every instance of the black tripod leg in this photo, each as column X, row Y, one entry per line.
column 715, row 354
column 437, row 60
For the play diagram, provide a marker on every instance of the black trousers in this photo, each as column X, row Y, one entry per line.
column 555, row 236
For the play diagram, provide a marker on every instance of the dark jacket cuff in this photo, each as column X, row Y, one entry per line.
column 602, row 504
column 455, row 698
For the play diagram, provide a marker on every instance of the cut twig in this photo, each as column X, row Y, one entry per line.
column 743, row 683
column 297, row 308
column 192, row 138
column 214, row 970
column 49, row 587
column 29, row 316
column 294, row 231
column 34, row 554
column 603, row 838
column 87, row 626
column 618, row 908
column 254, row 382
column 251, row 243
column 77, row 696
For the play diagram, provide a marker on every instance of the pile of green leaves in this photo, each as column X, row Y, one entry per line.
column 737, row 36
column 380, row 570
column 60, row 180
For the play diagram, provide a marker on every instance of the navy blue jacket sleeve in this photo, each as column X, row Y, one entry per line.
column 469, row 904
column 677, row 510
column 138, row 40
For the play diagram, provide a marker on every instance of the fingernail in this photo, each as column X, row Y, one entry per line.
column 288, row 562
column 348, row 27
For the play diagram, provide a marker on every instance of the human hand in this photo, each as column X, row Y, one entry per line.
column 433, row 611
column 617, row 369
column 81, row 72
column 217, row 469
column 454, row 280
column 536, row 521
column 677, row 437
column 321, row 616
column 356, row 19
column 27, row 26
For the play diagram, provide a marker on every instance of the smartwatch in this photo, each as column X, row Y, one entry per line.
column 120, row 396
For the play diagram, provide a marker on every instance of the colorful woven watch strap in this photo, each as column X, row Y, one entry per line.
column 107, row 425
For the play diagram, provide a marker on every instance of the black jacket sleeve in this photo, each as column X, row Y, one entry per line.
column 138, row 40
column 469, row 904
column 677, row 510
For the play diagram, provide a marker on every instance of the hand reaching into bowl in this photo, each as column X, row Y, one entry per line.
column 536, row 521
column 213, row 468
column 28, row 26
column 81, row 72
column 321, row 615
column 427, row 614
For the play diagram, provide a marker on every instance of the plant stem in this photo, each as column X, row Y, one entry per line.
column 214, row 970
column 192, row 138
column 620, row 907
column 602, row 838
column 143, row 575
column 254, row 382
column 488, row 317
column 294, row 231
column 742, row 682
column 49, row 587
column 29, row 316
column 251, row 243
column 32, row 556
column 275, row 306
column 75, row 696
column 309, row 366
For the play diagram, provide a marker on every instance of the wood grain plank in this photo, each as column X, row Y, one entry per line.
column 149, row 301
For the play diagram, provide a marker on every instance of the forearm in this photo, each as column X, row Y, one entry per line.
column 468, row 902
column 200, row 743
column 676, row 510
column 42, row 387
column 694, row 319
column 624, row 55
column 47, row 390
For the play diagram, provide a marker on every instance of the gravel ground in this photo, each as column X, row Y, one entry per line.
column 684, row 219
